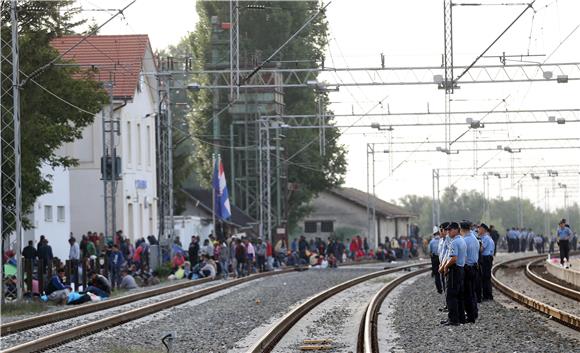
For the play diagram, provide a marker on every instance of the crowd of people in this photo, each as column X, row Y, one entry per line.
column 524, row 239
column 125, row 265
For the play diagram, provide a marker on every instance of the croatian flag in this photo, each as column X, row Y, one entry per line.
column 220, row 189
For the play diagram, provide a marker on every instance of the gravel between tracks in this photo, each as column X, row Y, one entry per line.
column 216, row 322
column 500, row 328
column 55, row 327
column 336, row 319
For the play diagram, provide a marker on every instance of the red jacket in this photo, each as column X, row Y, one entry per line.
column 268, row 249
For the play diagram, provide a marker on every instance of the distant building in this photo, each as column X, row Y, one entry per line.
column 343, row 212
column 198, row 209
column 124, row 59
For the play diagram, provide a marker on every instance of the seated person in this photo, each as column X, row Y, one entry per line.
column 208, row 268
column 56, row 290
column 127, row 280
column 99, row 285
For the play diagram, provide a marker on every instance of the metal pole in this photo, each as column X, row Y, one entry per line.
column 215, row 159
column 169, row 146
column 160, row 163
column 17, row 151
column 105, row 175
column 547, row 212
column 268, row 182
column 278, row 181
column 368, row 193
column 374, row 220
column 433, row 211
column 260, row 197
column 232, row 165
column 113, row 150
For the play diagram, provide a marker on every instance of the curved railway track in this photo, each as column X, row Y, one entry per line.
column 368, row 332
column 558, row 315
column 91, row 327
column 269, row 340
column 565, row 291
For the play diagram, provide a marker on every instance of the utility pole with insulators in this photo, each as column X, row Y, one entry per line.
column 110, row 163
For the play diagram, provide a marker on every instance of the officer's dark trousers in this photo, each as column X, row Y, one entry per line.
column 564, row 246
column 454, row 296
column 435, row 273
column 478, row 286
column 469, row 297
column 486, row 264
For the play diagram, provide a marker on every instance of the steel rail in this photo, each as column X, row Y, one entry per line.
column 368, row 332
column 567, row 292
column 268, row 341
column 44, row 319
column 560, row 316
column 57, row 339
column 39, row 320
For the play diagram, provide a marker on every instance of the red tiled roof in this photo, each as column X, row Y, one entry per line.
column 116, row 57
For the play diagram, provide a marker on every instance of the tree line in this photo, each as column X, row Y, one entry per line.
column 503, row 213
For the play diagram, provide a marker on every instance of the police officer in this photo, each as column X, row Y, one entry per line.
column 434, row 251
column 487, row 249
column 453, row 270
column 443, row 248
column 564, row 236
column 470, row 269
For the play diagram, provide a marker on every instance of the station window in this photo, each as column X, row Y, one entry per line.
column 48, row 213
column 327, row 226
column 60, row 214
column 310, row 227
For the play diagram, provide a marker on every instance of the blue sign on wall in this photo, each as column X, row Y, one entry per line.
column 140, row 184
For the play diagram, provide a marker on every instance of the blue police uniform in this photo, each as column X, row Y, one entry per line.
column 471, row 276
column 564, row 236
column 454, row 279
column 434, row 250
column 486, row 265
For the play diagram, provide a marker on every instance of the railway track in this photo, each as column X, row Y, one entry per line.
column 39, row 320
column 559, row 315
column 271, row 338
column 565, row 291
column 92, row 327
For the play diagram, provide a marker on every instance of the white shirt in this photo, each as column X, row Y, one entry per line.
column 75, row 252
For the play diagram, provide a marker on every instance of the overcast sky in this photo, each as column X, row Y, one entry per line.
column 410, row 33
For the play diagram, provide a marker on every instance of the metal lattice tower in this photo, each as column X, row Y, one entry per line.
column 11, row 191
column 234, row 50
column 164, row 154
column 448, row 80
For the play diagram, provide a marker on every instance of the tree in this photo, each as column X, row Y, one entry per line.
column 469, row 205
column 263, row 28
column 46, row 121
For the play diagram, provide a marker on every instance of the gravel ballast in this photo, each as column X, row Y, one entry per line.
column 55, row 327
column 216, row 322
column 337, row 319
column 503, row 326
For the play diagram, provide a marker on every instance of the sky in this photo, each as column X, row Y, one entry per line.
column 410, row 34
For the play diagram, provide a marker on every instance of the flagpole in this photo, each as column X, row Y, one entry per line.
column 214, row 161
